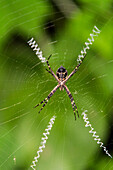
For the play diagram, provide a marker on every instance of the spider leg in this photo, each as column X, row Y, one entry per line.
column 40, row 103
column 72, row 101
column 75, row 107
column 51, row 69
column 48, row 71
column 48, row 97
column 43, row 105
column 75, row 70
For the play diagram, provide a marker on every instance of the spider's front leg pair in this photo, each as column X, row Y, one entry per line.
column 61, row 77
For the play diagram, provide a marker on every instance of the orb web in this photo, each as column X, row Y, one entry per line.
column 25, row 82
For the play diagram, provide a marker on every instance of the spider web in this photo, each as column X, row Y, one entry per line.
column 61, row 29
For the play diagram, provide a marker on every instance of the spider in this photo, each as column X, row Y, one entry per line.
column 62, row 77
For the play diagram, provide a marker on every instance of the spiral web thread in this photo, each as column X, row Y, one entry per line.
column 96, row 137
column 35, row 48
column 83, row 52
column 43, row 142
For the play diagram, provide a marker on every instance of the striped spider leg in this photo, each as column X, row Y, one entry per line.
column 75, row 70
column 51, row 72
column 61, row 77
column 72, row 101
column 48, row 97
column 53, row 91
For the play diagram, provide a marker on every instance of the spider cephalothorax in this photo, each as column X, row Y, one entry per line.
column 61, row 73
column 62, row 77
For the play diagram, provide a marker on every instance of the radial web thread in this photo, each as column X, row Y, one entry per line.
column 43, row 142
column 96, row 137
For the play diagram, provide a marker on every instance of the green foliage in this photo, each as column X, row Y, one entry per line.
column 24, row 82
